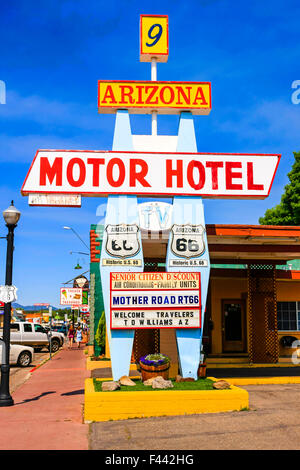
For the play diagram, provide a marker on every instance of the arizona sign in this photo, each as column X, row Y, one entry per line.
column 100, row 173
column 145, row 97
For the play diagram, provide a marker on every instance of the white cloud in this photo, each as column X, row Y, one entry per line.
column 267, row 122
column 23, row 148
column 43, row 111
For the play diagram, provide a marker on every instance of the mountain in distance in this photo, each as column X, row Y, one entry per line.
column 33, row 308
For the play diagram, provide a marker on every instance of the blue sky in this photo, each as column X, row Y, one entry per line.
column 53, row 53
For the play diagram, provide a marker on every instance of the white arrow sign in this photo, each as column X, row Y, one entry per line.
column 99, row 173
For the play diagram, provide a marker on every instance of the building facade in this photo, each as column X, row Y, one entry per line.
column 253, row 305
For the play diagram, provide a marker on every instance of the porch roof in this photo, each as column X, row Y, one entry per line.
column 231, row 244
column 255, row 243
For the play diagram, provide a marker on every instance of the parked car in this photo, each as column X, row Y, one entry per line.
column 61, row 329
column 19, row 354
column 34, row 335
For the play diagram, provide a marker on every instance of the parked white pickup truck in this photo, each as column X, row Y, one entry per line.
column 34, row 335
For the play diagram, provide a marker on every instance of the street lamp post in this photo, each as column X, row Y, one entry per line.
column 76, row 267
column 70, row 228
column 11, row 217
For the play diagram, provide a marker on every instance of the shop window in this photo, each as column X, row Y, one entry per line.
column 288, row 316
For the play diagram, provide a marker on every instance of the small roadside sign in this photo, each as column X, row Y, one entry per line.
column 154, row 38
column 8, row 294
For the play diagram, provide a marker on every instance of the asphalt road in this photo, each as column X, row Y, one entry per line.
column 272, row 423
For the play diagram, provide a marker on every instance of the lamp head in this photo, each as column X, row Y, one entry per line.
column 11, row 215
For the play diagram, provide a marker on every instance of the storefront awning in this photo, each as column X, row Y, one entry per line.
column 242, row 244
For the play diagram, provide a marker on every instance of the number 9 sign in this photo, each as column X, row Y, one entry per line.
column 154, row 38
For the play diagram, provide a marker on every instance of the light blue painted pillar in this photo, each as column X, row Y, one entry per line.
column 120, row 210
column 189, row 210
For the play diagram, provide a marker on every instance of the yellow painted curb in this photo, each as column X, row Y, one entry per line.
column 106, row 406
column 263, row 380
column 219, row 365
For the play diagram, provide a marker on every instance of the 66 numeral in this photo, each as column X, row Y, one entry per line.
column 183, row 244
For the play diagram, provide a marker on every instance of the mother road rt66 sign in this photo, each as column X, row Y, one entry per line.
column 100, row 173
column 155, row 300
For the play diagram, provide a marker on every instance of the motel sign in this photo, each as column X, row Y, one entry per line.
column 159, row 166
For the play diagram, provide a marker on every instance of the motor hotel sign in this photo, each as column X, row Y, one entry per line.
column 155, row 300
column 101, row 173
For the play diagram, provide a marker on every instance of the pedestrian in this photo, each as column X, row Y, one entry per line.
column 79, row 336
column 85, row 334
column 71, row 333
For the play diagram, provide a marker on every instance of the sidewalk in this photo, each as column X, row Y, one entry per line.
column 48, row 409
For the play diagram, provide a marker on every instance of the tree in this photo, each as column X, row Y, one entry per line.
column 60, row 313
column 101, row 332
column 288, row 211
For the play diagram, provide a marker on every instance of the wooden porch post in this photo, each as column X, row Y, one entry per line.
column 262, row 308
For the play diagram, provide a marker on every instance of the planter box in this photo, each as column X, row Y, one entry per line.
column 106, row 406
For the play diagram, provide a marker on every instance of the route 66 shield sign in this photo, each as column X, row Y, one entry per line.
column 122, row 240
column 8, row 294
column 187, row 240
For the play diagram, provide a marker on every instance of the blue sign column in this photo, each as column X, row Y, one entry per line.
column 188, row 251
column 121, row 214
